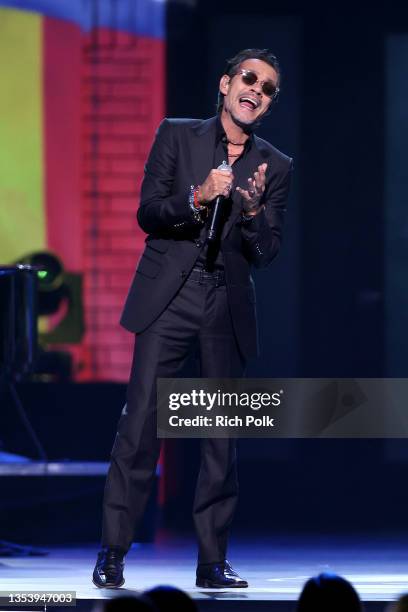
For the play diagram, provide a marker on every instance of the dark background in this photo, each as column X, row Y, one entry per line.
column 328, row 282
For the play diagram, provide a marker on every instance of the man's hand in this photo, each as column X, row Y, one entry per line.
column 252, row 196
column 218, row 182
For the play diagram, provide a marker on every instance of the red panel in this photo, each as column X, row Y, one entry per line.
column 94, row 159
column 62, row 150
column 118, row 127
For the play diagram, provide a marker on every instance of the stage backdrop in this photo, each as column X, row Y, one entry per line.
column 82, row 94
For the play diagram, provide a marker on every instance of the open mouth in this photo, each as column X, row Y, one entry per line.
column 248, row 103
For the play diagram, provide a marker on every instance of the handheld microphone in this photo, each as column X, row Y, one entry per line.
column 216, row 216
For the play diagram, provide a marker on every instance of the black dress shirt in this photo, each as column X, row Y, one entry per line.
column 210, row 257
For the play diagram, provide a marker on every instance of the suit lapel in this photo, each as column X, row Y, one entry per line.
column 203, row 149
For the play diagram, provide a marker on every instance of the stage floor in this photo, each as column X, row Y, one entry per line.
column 275, row 567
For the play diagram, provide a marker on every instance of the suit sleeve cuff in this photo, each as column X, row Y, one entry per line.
column 253, row 223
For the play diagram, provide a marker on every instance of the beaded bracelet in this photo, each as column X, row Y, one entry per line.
column 247, row 218
column 195, row 205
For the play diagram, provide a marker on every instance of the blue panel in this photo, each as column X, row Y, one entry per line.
column 141, row 17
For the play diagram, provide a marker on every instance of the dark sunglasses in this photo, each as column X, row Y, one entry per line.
column 268, row 87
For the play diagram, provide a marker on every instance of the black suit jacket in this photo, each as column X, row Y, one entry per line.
column 181, row 156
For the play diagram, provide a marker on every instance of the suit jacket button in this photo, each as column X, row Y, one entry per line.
column 199, row 244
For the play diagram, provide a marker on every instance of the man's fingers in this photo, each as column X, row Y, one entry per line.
column 254, row 188
column 260, row 177
column 244, row 194
column 260, row 185
column 259, row 180
column 222, row 173
column 221, row 183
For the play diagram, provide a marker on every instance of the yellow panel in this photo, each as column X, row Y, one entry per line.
column 22, row 223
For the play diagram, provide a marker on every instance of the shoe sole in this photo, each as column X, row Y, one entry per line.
column 107, row 586
column 207, row 584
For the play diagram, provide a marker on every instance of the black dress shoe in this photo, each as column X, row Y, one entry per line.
column 108, row 572
column 218, row 576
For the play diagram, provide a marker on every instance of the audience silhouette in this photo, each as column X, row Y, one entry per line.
column 328, row 592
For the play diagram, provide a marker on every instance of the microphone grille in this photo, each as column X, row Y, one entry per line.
column 225, row 167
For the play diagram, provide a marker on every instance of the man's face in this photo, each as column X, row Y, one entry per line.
column 247, row 103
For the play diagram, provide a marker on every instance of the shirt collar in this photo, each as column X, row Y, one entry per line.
column 220, row 135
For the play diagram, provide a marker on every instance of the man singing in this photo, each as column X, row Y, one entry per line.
column 193, row 291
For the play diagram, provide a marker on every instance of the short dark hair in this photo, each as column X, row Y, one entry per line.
column 328, row 591
column 234, row 63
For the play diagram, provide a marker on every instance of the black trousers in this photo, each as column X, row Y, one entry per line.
column 197, row 318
